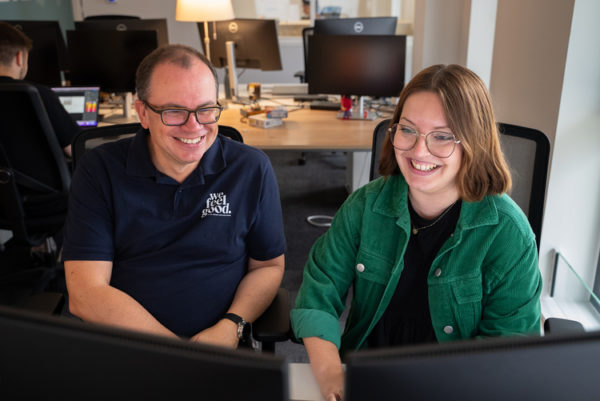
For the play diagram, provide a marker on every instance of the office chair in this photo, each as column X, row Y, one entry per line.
column 34, row 184
column 274, row 324
column 306, row 32
column 526, row 151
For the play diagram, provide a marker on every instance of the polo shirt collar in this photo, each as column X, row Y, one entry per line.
column 139, row 162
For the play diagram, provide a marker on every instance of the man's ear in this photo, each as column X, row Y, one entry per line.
column 142, row 113
column 20, row 58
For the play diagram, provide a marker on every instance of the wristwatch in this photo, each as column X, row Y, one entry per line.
column 243, row 329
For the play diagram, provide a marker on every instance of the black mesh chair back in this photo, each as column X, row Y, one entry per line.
column 379, row 136
column 527, row 153
column 34, row 171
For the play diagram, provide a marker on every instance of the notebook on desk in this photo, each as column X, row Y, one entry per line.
column 81, row 102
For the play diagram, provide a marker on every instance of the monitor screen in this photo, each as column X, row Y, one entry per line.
column 363, row 65
column 517, row 368
column 48, row 56
column 108, row 59
column 81, row 103
column 256, row 43
column 159, row 25
column 356, row 26
column 55, row 357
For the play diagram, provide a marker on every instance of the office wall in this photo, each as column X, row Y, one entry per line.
column 38, row 10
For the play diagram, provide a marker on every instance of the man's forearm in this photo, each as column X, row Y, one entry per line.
column 258, row 288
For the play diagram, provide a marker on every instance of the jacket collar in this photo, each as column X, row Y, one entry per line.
column 139, row 162
column 391, row 201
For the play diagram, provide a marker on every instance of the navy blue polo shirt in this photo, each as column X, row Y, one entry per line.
column 180, row 250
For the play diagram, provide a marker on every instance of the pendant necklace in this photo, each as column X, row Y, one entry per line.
column 416, row 230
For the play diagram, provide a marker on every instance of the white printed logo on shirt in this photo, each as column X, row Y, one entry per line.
column 217, row 205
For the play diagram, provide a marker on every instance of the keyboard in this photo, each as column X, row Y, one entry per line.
column 324, row 105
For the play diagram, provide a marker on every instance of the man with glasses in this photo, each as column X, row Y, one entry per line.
column 177, row 231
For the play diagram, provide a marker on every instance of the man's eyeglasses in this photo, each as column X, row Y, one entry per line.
column 179, row 116
column 440, row 144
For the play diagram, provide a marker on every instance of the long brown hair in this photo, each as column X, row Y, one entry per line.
column 470, row 116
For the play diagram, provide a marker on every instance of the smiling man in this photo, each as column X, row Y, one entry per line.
column 178, row 230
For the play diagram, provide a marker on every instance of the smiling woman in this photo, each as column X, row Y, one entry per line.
column 435, row 250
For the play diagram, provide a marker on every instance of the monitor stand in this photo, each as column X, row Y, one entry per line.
column 127, row 116
column 358, row 112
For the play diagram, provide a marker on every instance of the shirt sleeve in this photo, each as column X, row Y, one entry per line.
column 89, row 225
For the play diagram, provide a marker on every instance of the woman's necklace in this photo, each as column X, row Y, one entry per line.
column 416, row 230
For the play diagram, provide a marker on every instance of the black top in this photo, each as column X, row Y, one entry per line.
column 406, row 319
column 62, row 123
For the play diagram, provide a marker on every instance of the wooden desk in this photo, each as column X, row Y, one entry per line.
column 314, row 130
column 306, row 129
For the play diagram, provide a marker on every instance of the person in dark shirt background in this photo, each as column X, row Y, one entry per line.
column 14, row 54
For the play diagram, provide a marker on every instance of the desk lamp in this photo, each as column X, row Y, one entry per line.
column 204, row 10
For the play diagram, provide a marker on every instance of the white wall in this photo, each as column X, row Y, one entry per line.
column 572, row 216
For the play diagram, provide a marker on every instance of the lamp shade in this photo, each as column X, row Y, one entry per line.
column 203, row 10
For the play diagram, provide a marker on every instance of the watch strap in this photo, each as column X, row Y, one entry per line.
column 241, row 323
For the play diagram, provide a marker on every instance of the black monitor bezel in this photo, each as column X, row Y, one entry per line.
column 348, row 26
column 492, row 369
column 56, row 357
column 119, row 24
column 331, row 72
column 256, row 43
column 108, row 59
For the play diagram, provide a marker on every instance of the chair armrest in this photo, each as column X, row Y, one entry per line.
column 555, row 325
column 274, row 324
column 50, row 303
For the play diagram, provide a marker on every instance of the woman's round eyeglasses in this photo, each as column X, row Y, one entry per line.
column 440, row 144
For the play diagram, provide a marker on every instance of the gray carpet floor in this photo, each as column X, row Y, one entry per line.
column 315, row 188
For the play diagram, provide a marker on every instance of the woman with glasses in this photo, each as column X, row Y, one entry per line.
column 434, row 250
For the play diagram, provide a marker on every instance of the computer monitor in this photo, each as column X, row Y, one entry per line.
column 500, row 369
column 256, row 43
column 253, row 44
column 81, row 103
column 48, row 56
column 356, row 26
column 361, row 65
column 51, row 357
column 119, row 24
column 108, row 59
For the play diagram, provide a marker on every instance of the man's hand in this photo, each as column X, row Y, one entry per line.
column 223, row 334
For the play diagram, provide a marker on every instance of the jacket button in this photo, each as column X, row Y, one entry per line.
column 448, row 329
column 438, row 272
column 360, row 267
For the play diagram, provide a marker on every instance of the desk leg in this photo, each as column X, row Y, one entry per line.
column 358, row 166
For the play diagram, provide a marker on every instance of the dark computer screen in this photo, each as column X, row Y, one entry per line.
column 159, row 25
column 356, row 26
column 48, row 55
column 256, row 43
column 517, row 368
column 362, row 65
column 108, row 59
column 48, row 357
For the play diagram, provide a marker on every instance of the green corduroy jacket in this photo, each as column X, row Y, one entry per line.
column 484, row 281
